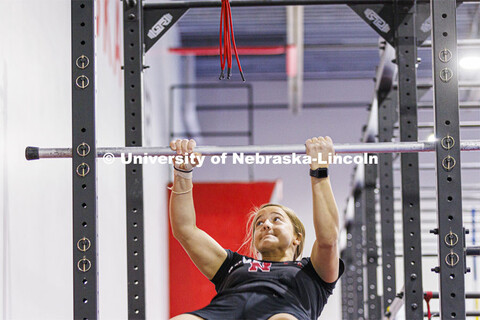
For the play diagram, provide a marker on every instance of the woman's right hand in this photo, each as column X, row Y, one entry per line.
column 204, row 251
column 185, row 147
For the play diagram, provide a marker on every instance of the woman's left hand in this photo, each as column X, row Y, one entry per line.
column 319, row 149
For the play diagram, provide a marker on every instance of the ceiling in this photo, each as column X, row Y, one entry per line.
column 326, row 27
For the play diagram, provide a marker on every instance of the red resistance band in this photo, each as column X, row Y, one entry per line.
column 226, row 23
column 427, row 296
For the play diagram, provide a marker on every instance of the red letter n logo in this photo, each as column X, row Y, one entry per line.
column 255, row 265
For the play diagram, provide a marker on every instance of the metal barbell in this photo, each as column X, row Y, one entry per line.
column 33, row 153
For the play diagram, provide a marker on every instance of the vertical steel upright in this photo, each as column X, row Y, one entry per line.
column 406, row 57
column 85, row 289
column 133, row 69
column 449, row 196
column 386, row 119
column 343, row 281
column 373, row 309
column 347, row 257
column 358, row 254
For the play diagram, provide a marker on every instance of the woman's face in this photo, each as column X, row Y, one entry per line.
column 274, row 232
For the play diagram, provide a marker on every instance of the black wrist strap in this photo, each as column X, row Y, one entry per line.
column 319, row 173
column 186, row 171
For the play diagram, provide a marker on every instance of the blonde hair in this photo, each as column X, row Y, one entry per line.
column 298, row 229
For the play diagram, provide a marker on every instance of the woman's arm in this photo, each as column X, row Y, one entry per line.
column 204, row 251
column 324, row 255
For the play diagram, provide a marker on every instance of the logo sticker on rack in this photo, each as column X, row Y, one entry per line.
column 163, row 22
column 377, row 20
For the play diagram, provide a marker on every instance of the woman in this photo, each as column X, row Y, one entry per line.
column 276, row 287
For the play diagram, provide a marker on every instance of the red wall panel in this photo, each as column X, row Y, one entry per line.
column 222, row 211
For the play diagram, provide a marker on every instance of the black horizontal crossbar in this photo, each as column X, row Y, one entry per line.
column 468, row 295
column 263, row 3
column 213, row 134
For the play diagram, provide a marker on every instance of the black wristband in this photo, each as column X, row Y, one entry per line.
column 319, row 173
column 185, row 171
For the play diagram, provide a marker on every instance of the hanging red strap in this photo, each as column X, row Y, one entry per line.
column 233, row 41
column 428, row 296
column 226, row 26
column 220, row 47
column 227, row 40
